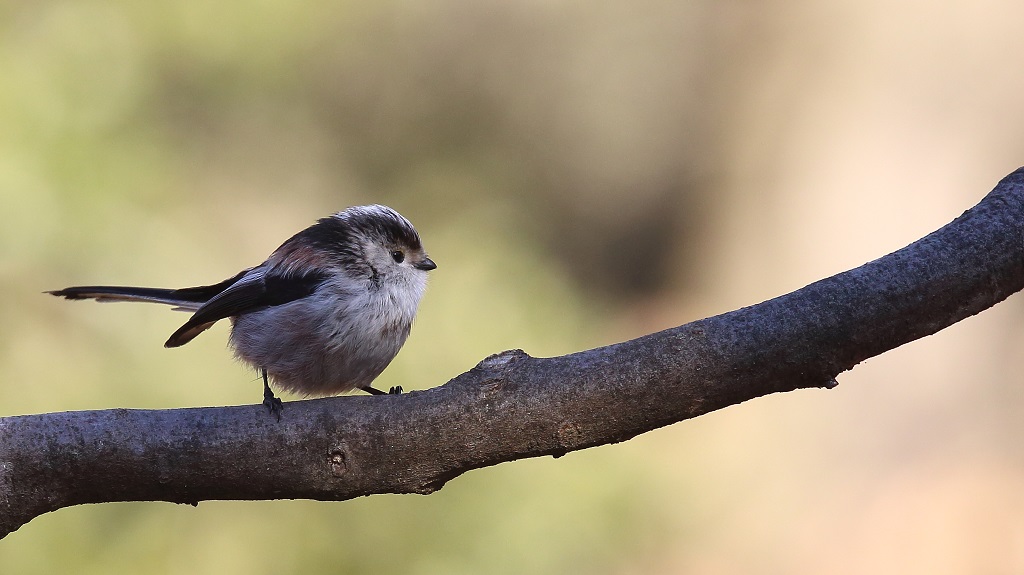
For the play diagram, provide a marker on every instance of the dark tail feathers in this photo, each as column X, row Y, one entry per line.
column 187, row 299
column 119, row 293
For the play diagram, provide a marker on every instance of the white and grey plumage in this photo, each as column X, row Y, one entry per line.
column 327, row 311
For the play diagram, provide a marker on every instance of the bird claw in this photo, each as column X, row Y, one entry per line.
column 273, row 403
column 396, row 390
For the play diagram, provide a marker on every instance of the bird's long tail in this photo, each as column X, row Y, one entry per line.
column 180, row 301
column 184, row 299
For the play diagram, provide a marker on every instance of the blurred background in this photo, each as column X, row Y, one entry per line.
column 583, row 173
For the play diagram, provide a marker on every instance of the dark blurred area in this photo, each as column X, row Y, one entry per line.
column 583, row 173
column 603, row 135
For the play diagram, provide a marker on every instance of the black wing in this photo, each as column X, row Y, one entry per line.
column 256, row 289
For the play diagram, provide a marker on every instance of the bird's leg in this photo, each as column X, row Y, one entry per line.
column 272, row 403
column 374, row 391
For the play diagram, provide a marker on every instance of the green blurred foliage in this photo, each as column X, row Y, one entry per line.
column 172, row 143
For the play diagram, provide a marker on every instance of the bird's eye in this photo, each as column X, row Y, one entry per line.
column 398, row 256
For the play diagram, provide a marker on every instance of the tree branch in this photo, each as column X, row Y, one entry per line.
column 513, row 406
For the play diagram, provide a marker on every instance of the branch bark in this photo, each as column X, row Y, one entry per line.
column 513, row 406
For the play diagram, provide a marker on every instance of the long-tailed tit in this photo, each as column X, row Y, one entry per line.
column 327, row 311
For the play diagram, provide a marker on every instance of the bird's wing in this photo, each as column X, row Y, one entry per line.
column 257, row 288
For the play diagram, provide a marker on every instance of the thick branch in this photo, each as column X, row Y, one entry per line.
column 513, row 406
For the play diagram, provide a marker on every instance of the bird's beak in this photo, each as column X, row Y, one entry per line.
column 426, row 264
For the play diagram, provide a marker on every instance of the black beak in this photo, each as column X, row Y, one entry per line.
column 426, row 264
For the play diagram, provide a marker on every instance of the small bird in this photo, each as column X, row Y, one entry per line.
column 324, row 314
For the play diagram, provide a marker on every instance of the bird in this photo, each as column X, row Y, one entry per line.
column 324, row 314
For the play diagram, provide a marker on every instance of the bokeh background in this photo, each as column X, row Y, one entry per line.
column 583, row 173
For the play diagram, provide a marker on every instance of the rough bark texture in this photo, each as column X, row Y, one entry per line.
column 513, row 406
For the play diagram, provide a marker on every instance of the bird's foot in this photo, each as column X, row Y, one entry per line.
column 374, row 391
column 273, row 403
